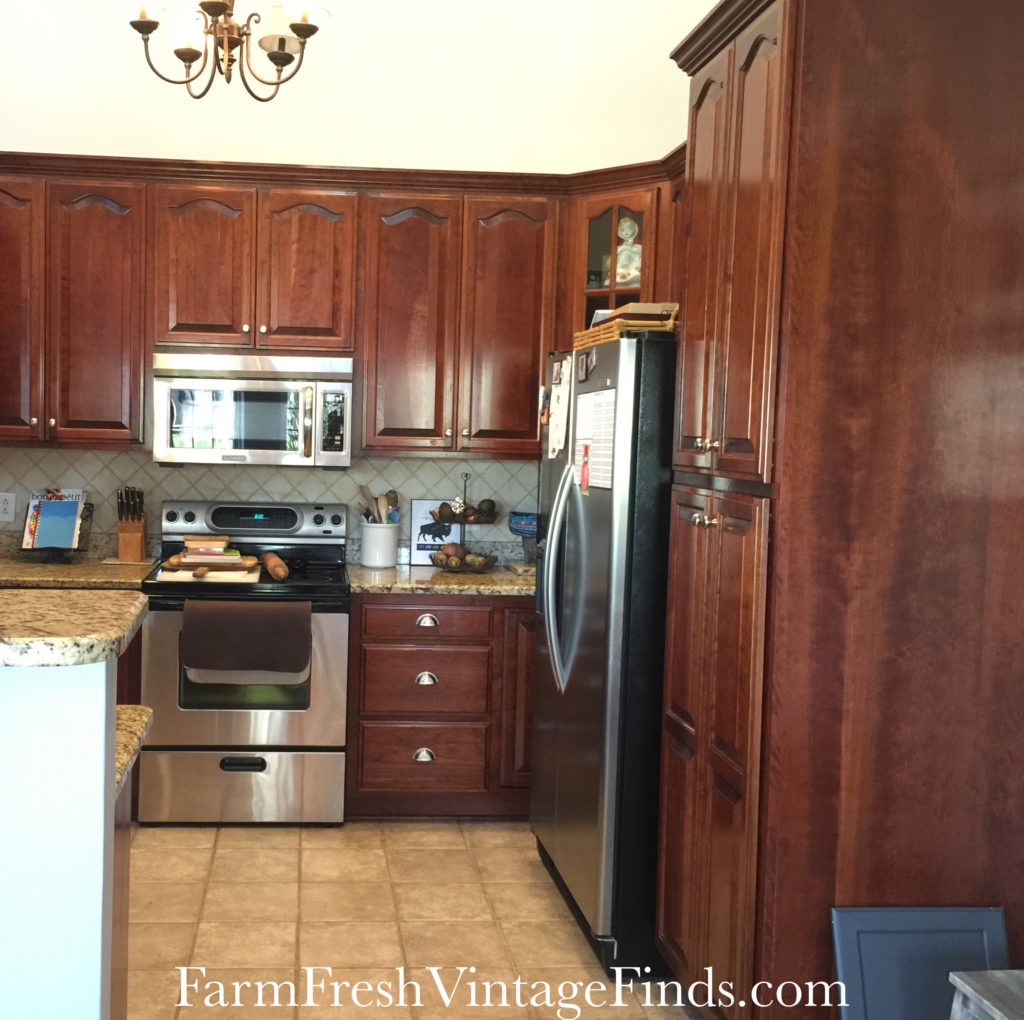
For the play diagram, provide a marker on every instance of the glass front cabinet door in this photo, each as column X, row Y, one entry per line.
column 617, row 234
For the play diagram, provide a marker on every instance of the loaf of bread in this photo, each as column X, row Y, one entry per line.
column 275, row 566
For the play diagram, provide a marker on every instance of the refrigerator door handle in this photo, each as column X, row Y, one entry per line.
column 550, row 565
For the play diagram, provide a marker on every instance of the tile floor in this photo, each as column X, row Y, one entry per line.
column 258, row 904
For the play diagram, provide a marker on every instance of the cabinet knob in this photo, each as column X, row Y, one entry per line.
column 426, row 620
column 263, row 329
column 465, row 433
column 423, row 754
column 709, row 522
column 695, row 520
column 33, row 421
column 447, row 432
column 245, row 327
column 53, row 422
column 426, row 679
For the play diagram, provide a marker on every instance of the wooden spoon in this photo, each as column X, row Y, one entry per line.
column 382, row 509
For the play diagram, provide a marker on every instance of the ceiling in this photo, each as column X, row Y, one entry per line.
column 543, row 86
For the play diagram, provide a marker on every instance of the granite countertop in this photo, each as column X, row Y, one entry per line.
column 66, row 627
column 87, row 574
column 132, row 726
column 431, row 581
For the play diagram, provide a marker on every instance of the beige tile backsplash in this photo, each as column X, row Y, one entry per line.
column 512, row 484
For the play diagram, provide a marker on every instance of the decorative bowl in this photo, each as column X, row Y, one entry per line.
column 483, row 568
column 520, row 523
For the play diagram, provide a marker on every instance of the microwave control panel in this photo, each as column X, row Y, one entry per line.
column 332, row 422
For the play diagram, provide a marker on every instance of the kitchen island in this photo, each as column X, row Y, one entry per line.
column 58, row 664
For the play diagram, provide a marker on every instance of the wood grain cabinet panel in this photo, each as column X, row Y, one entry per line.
column 427, row 679
column 438, row 713
column 449, row 758
column 736, row 191
column 507, row 317
column 22, row 304
column 269, row 269
column 204, row 277
column 712, row 734
column 408, row 320
column 457, row 312
column 95, row 268
column 305, row 293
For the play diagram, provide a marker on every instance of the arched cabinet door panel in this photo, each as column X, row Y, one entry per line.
column 408, row 295
column 204, row 271
column 22, row 298
column 95, row 266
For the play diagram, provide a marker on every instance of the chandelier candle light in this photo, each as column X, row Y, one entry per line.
column 282, row 42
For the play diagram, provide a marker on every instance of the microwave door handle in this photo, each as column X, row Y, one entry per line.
column 306, row 421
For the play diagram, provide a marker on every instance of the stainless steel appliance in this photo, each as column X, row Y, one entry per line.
column 247, row 409
column 605, row 479
column 248, row 745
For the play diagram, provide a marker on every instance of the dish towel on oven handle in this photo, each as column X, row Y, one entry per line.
column 246, row 642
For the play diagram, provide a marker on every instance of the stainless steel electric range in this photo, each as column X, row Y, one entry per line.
column 246, row 673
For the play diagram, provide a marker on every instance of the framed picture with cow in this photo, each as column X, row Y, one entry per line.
column 426, row 535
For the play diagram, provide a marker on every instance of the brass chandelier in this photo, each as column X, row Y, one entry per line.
column 226, row 42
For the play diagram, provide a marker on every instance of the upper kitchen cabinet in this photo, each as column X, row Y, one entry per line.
column 409, row 276
column 22, row 298
column 506, row 322
column 457, row 306
column 735, row 193
column 616, row 237
column 95, row 259
column 271, row 269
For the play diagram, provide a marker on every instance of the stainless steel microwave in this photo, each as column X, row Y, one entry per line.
column 248, row 409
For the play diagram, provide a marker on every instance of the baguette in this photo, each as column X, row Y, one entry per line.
column 275, row 566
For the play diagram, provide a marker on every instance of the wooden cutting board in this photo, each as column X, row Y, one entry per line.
column 220, row 576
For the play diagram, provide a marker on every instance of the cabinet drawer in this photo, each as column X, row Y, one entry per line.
column 427, row 623
column 423, row 680
column 459, row 764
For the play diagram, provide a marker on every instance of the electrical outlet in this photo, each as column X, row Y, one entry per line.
column 6, row 507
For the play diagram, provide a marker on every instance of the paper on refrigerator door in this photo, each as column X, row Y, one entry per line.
column 593, row 454
column 558, row 411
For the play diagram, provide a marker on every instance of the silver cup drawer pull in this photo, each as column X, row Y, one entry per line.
column 426, row 620
column 423, row 754
column 426, row 679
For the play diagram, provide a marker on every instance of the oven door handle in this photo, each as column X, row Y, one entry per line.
column 230, row 764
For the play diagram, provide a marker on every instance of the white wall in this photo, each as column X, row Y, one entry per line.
column 555, row 86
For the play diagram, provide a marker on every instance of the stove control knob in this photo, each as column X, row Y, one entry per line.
column 172, row 516
column 336, row 519
column 190, row 517
column 318, row 519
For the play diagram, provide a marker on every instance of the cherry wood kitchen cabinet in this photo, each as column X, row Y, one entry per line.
column 615, row 237
column 457, row 302
column 711, row 731
column 267, row 269
column 889, row 659
column 407, row 308
column 71, row 311
column 437, row 724
column 95, row 273
column 735, row 193
column 22, row 307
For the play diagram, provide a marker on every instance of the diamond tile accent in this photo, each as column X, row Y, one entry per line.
column 511, row 484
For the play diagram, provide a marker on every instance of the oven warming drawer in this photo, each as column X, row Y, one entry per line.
column 241, row 786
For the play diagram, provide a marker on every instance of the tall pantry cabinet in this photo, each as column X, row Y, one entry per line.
column 844, row 694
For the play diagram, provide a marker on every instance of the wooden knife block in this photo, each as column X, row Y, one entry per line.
column 131, row 541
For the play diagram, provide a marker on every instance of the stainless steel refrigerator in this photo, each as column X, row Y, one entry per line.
column 603, row 522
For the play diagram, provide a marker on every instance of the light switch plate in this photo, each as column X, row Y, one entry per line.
column 6, row 507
